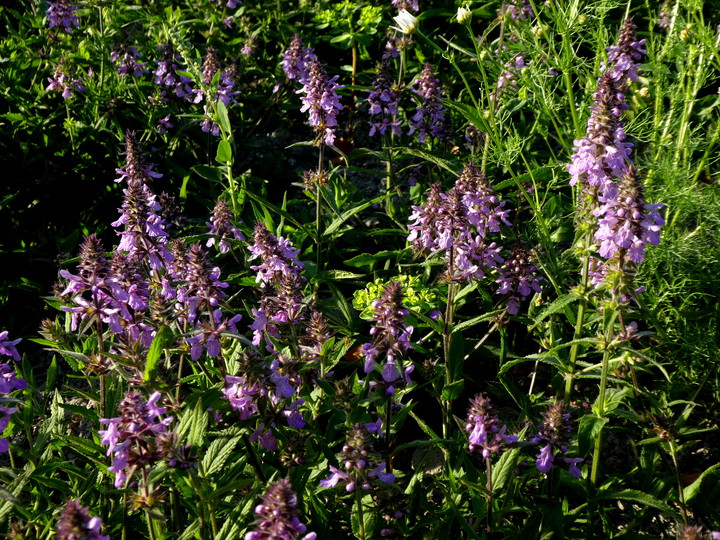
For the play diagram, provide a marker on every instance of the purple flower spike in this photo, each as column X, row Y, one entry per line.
column 430, row 118
column 278, row 516
column 624, row 57
column 383, row 101
column 554, row 436
column 62, row 14
column 75, row 523
column 485, row 435
column 321, row 102
column 518, row 278
column 296, row 61
column 222, row 228
column 127, row 61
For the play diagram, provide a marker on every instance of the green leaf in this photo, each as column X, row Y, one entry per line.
column 224, row 152
column 694, row 489
column 214, row 174
column 193, row 424
column 453, row 390
column 556, row 306
column 217, row 454
column 640, row 497
column 162, row 340
column 370, row 259
column 222, row 118
column 504, row 469
column 350, row 212
column 427, row 156
column 588, row 430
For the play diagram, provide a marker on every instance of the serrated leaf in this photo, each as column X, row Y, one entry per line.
column 639, row 497
column 504, row 469
column 589, row 429
column 554, row 307
column 217, row 454
column 370, row 259
column 162, row 340
column 694, row 489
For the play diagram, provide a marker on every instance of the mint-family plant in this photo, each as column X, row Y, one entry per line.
column 339, row 270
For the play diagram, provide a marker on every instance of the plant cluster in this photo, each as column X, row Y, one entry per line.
column 342, row 270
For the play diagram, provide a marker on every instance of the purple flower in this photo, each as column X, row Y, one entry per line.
column 485, row 435
column 518, row 278
column 163, row 125
column 166, row 77
column 127, row 61
column 222, row 228
column 276, row 256
column 132, row 438
column 75, row 523
column 430, row 117
column 296, row 60
column 321, row 102
column 554, row 436
column 359, row 463
column 62, row 14
column 383, row 101
column 278, row 516
column 391, row 335
column 624, row 57
column 7, row 346
column 408, row 5
column 458, row 224
column 64, row 81
column 506, row 80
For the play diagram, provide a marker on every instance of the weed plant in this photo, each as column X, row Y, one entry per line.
column 346, row 270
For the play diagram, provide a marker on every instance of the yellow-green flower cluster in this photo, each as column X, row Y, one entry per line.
column 416, row 296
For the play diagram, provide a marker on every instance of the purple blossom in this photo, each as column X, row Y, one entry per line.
column 391, row 335
column 163, row 125
column 75, row 523
column 359, row 463
column 278, row 516
column 518, row 278
column 458, row 224
column 166, row 77
column 296, row 61
column 64, row 81
column 485, row 435
column 7, row 346
column 554, row 436
column 506, row 80
column 276, row 255
column 430, row 117
column 321, row 102
column 143, row 231
column 222, row 228
column 132, row 438
column 127, row 61
column 624, row 57
column 383, row 101
column 626, row 224
column 409, row 5
column 519, row 10
column 62, row 14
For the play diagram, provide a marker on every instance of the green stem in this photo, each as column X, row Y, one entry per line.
column 575, row 349
column 447, row 345
column 361, row 517
column 318, row 208
column 489, row 486
column 601, row 397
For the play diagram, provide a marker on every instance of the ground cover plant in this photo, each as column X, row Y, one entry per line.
column 354, row 270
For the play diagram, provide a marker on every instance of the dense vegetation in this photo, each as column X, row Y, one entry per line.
column 348, row 270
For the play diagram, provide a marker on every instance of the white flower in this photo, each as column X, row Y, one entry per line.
column 464, row 15
column 406, row 22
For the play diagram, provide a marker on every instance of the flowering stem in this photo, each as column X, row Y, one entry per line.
column 253, row 458
column 600, row 408
column 148, row 515
column 447, row 345
column 489, row 485
column 318, row 238
column 681, row 491
column 585, row 272
column 361, row 518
